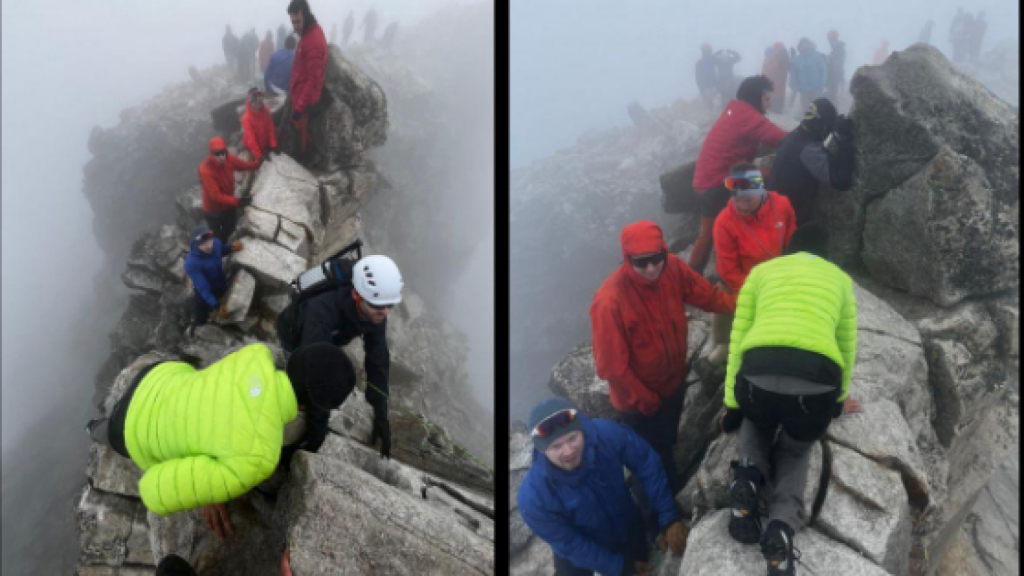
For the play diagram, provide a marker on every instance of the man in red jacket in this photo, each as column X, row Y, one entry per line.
column 755, row 227
column 734, row 138
column 217, row 177
column 307, row 70
column 258, row 127
column 639, row 336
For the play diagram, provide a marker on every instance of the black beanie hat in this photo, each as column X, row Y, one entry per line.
column 321, row 375
column 543, row 410
column 812, row 238
column 174, row 565
column 820, row 117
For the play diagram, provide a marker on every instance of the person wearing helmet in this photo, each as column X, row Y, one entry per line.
column 359, row 308
column 639, row 333
column 192, row 457
column 755, row 227
column 803, row 163
column 707, row 78
column 217, row 177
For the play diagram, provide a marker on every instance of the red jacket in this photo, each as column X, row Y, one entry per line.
column 308, row 69
column 639, row 326
column 218, row 181
column 733, row 139
column 258, row 131
column 742, row 242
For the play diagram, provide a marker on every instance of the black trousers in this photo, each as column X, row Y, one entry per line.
column 634, row 548
column 222, row 223
column 660, row 431
column 804, row 201
column 200, row 309
column 804, row 418
column 713, row 201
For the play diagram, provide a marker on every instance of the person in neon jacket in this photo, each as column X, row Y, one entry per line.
column 574, row 496
column 204, row 437
column 792, row 352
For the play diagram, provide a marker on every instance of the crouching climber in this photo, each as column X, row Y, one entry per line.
column 794, row 343
column 358, row 307
column 204, row 437
column 755, row 227
column 217, row 177
column 574, row 496
column 203, row 266
column 258, row 127
column 308, row 69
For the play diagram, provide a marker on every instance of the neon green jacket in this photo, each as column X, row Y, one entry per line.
column 800, row 301
column 206, row 437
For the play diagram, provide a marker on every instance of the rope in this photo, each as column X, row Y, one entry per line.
column 427, row 424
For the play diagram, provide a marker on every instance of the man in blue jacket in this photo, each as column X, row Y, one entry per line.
column 203, row 266
column 575, row 496
column 809, row 74
column 278, row 74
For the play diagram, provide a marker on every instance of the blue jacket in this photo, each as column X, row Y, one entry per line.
column 207, row 272
column 809, row 72
column 279, row 70
column 584, row 513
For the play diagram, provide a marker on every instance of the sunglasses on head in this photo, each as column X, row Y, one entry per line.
column 744, row 183
column 554, row 422
column 204, row 237
column 220, row 152
column 645, row 261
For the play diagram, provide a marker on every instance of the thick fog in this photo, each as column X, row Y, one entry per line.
column 576, row 64
column 68, row 66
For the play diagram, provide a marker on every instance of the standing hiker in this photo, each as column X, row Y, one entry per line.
column 308, row 69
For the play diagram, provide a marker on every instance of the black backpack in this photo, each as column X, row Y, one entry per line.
column 332, row 274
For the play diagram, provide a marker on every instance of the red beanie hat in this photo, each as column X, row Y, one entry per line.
column 217, row 144
column 642, row 237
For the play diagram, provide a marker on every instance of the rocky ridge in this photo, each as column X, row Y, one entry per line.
column 937, row 343
column 393, row 514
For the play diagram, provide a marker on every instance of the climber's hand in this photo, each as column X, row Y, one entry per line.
column 217, row 518
column 731, row 420
column 674, row 537
column 237, row 246
column 382, row 430
column 642, row 569
column 852, row 406
column 274, row 150
column 222, row 313
column 296, row 115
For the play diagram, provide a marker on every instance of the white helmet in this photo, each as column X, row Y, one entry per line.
column 378, row 281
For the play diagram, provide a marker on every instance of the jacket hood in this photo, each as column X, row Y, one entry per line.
column 641, row 237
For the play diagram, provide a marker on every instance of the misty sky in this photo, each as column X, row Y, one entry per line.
column 576, row 64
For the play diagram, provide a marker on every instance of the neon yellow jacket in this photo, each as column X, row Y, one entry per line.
column 800, row 301
column 206, row 437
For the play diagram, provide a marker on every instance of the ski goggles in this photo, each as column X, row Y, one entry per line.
column 204, row 236
column 642, row 262
column 220, row 152
column 557, row 420
column 746, row 182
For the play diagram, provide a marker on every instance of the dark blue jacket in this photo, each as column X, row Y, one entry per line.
column 584, row 513
column 279, row 70
column 207, row 272
column 706, row 75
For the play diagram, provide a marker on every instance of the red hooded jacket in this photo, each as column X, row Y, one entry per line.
column 742, row 242
column 733, row 139
column 308, row 69
column 639, row 326
column 218, row 181
column 258, row 130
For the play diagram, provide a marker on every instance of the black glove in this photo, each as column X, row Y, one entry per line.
column 844, row 128
column 266, row 157
column 838, row 410
column 382, row 430
column 296, row 115
column 243, row 202
column 275, row 150
column 731, row 420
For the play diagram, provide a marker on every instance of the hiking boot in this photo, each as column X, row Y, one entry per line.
column 777, row 549
column 745, row 523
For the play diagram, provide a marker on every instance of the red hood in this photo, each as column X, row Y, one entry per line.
column 641, row 237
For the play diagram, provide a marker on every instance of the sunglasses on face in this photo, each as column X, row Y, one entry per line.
column 554, row 422
column 379, row 308
column 645, row 261
column 221, row 153
column 743, row 183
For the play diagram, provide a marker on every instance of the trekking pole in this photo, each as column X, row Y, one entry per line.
column 427, row 424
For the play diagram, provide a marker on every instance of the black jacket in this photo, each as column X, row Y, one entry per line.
column 802, row 164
